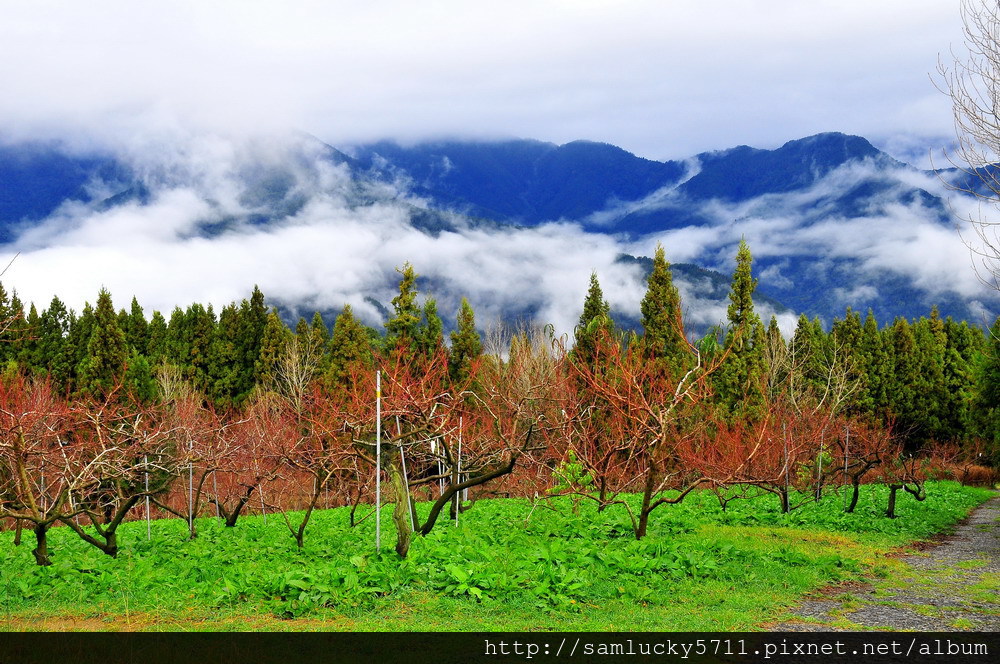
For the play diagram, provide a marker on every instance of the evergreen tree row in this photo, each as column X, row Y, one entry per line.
column 934, row 379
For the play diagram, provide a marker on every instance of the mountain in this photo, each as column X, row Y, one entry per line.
column 832, row 221
column 790, row 197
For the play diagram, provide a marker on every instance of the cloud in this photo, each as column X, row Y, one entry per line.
column 660, row 79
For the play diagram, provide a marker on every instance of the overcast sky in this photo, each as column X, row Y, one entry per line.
column 661, row 78
column 179, row 88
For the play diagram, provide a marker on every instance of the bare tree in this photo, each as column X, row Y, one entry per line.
column 972, row 80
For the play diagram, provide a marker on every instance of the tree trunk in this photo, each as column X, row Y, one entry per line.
column 41, row 551
column 647, row 499
column 891, row 511
column 855, row 491
column 401, row 515
column 785, row 504
column 18, row 527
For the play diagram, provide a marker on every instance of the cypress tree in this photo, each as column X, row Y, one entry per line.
column 137, row 328
column 594, row 322
column 404, row 326
column 466, row 344
column 738, row 380
column 156, row 346
column 53, row 330
column 224, row 358
column 662, row 326
column 431, row 332
column 200, row 323
column 103, row 365
column 253, row 320
column 276, row 337
column 350, row 347
column 903, row 379
column 987, row 393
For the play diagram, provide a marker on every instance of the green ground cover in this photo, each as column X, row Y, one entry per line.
column 510, row 565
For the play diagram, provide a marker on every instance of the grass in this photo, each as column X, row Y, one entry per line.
column 509, row 566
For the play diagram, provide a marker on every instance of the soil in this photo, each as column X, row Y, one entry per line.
column 951, row 583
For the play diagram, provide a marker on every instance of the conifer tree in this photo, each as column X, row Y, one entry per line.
column 75, row 348
column 662, row 326
column 987, row 396
column 738, row 380
column 253, row 320
column 103, row 366
column 431, row 330
column 466, row 344
column 137, row 328
column 276, row 337
column 156, row 346
column 177, row 341
column 350, row 346
column 404, row 326
column 874, row 368
column 224, row 358
column 53, row 330
column 27, row 345
column 200, row 323
column 903, row 378
column 594, row 322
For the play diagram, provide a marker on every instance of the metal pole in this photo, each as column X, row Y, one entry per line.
column 378, row 460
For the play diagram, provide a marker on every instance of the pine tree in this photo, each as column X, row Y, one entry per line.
column 662, row 326
column 103, row 367
column 466, row 344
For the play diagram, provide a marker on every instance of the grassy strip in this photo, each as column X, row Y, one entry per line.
column 509, row 566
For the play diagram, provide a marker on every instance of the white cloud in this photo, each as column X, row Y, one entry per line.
column 663, row 79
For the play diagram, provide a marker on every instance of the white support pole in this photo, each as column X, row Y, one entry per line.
column 378, row 460
column 458, row 471
column 149, row 527
column 191, row 487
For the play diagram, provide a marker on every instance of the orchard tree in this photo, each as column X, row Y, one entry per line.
column 40, row 469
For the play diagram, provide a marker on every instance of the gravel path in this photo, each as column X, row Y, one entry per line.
column 951, row 586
